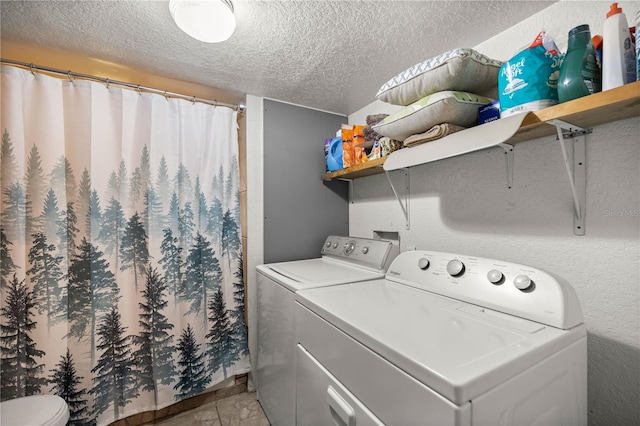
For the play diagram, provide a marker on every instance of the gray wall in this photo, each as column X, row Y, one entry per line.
column 300, row 210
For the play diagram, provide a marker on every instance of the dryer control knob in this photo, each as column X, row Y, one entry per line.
column 365, row 250
column 494, row 276
column 455, row 268
column 328, row 244
column 423, row 263
column 522, row 282
column 335, row 245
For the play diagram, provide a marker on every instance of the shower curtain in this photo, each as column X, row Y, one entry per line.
column 120, row 246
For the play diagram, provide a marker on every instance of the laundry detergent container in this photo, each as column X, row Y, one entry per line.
column 334, row 156
column 37, row 410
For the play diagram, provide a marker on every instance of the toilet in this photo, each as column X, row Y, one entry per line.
column 36, row 410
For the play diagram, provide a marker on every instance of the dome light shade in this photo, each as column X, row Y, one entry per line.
column 211, row 21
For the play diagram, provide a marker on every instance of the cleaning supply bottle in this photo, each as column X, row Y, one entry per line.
column 597, row 46
column 638, row 45
column 630, row 57
column 579, row 73
column 327, row 147
column 616, row 40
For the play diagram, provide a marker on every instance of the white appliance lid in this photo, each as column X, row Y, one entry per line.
column 20, row 411
column 458, row 349
column 313, row 273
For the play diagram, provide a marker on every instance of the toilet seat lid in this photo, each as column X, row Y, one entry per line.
column 34, row 410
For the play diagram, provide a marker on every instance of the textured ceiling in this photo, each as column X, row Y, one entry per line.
column 329, row 55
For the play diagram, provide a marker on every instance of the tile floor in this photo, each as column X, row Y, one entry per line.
column 237, row 410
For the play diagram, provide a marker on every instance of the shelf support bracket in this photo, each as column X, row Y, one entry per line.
column 404, row 204
column 508, row 156
column 577, row 177
column 351, row 190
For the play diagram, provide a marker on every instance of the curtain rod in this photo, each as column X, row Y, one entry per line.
column 107, row 81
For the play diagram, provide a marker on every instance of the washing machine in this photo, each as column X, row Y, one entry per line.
column 443, row 339
column 343, row 260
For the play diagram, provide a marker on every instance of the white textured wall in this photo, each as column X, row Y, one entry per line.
column 463, row 205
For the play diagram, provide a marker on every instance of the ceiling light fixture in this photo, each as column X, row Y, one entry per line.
column 211, row 21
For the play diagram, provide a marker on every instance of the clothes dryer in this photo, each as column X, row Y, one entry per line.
column 443, row 339
column 343, row 260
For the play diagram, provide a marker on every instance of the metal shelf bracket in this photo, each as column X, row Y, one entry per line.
column 508, row 156
column 577, row 176
column 404, row 201
column 351, row 190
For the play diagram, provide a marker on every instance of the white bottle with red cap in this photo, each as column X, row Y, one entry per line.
column 616, row 41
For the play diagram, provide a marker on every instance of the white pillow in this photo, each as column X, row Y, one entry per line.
column 460, row 108
column 459, row 69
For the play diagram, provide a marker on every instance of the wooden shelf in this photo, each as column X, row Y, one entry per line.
column 600, row 108
column 372, row 167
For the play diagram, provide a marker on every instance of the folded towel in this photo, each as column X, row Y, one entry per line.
column 388, row 145
column 371, row 135
column 436, row 132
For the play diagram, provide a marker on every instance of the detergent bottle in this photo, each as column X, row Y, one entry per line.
column 616, row 69
column 579, row 73
column 334, row 156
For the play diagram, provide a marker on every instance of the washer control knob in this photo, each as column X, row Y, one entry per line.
column 365, row 250
column 455, row 268
column 349, row 247
column 335, row 245
column 494, row 276
column 328, row 244
column 423, row 263
column 522, row 282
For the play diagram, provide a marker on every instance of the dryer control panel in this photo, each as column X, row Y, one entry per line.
column 508, row 287
column 376, row 254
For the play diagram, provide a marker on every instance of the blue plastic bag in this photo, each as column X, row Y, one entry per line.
column 529, row 80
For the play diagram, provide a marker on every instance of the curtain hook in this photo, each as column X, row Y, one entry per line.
column 106, row 83
column 166, row 96
column 193, row 100
column 31, row 69
column 138, row 89
column 69, row 76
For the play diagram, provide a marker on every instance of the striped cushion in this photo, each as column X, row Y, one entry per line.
column 459, row 69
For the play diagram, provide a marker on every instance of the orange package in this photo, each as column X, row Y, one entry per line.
column 348, row 153
column 363, row 156
column 357, row 154
column 358, row 140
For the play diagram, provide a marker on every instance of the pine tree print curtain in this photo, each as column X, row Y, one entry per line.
column 121, row 258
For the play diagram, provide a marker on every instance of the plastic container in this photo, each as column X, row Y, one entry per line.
column 334, row 157
column 579, row 74
column 616, row 42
